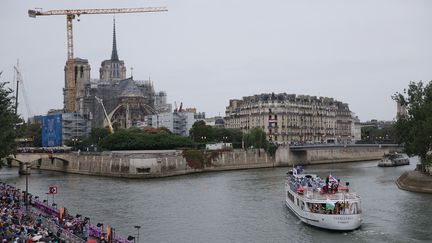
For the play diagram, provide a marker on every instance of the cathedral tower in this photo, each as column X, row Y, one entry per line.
column 113, row 69
column 81, row 79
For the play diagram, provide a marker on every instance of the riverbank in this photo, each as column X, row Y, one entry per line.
column 415, row 181
column 164, row 163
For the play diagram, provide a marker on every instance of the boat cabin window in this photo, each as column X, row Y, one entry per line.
column 290, row 196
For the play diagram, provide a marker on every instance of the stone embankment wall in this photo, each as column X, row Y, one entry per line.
column 415, row 181
column 332, row 154
column 143, row 164
column 161, row 163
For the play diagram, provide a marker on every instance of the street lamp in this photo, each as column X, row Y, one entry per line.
column 27, row 165
column 138, row 229
column 74, row 140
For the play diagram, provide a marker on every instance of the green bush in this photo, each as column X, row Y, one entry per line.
column 194, row 158
column 135, row 139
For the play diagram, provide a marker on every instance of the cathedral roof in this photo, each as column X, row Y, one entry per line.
column 129, row 88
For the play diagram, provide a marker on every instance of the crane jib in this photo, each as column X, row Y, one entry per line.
column 34, row 13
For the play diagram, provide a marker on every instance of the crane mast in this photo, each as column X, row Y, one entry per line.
column 70, row 87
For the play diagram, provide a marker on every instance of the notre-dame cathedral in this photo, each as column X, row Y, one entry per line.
column 126, row 100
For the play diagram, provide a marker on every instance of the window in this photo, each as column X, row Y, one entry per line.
column 82, row 71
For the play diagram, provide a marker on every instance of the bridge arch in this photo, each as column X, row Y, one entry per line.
column 33, row 160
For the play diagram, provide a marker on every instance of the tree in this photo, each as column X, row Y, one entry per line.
column 32, row 131
column 375, row 134
column 8, row 121
column 414, row 129
column 227, row 135
column 256, row 137
column 137, row 139
column 201, row 132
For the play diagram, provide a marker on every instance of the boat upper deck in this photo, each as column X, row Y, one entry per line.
column 337, row 196
column 312, row 187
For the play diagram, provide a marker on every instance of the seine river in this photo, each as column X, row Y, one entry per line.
column 236, row 206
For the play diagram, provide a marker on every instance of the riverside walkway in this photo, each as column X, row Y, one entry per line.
column 43, row 223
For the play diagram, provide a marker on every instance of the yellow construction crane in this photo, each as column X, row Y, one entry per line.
column 110, row 127
column 70, row 88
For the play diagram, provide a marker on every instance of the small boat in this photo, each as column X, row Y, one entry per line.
column 394, row 159
column 322, row 203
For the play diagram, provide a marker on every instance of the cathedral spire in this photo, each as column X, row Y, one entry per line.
column 114, row 55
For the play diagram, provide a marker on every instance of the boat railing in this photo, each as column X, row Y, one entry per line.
column 94, row 231
column 315, row 195
column 66, row 234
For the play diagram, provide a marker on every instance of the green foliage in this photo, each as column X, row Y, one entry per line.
column 164, row 130
column 33, row 131
column 256, row 138
column 271, row 149
column 414, row 130
column 373, row 133
column 8, row 120
column 137, row 139
column 200, row 132
column 228, row 135
column 97, row 134
column 93, row 140
column 194, row 158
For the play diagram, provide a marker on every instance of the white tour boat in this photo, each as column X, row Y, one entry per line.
column 322, row 203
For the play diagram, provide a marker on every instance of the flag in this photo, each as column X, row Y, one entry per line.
column 300, row 168
column 62, row 214
column 109, row 234
column 331, row 178
column 330, row 204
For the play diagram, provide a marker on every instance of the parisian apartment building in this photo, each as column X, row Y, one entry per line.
column 294, row 119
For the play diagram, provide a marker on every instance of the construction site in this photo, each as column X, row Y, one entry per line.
column 111, row 100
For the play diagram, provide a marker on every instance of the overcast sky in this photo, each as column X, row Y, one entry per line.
column 203, row 53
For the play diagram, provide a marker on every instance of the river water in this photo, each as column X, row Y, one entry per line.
column 236, row 206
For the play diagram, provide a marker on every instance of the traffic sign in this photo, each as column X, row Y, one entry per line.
column 53, row 190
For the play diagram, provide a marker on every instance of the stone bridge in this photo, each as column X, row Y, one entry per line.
column 332, row 153
column 34, row 160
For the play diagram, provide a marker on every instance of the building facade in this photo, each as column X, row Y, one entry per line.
column 356, row 129
column 178, row 122
column 292, row 119
column 67, row 126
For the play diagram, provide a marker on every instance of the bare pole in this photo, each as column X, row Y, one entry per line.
column 26, row 194
column 17, row 86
